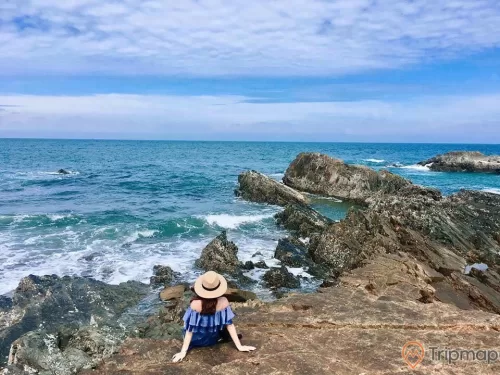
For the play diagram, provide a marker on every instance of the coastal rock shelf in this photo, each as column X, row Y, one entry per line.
column 464, row 161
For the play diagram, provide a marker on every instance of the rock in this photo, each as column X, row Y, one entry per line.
column 261, row 264
column 63, row 171
column 256, row 187
column 291, row 253
column 348, row 329
column 248, row 266
column 77, row 301
column 302, row 219
column 277, row 278
column 220, row 255
column 173, row 292
column 238, row 295
column 320, row 174
column 163, row 275
column 5, row 303
column 64, row 353
column 464, row 161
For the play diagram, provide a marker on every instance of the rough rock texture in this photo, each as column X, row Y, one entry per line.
column 162, row 275
column 291, row 252
column 302, row 219
column 320, row 174
column 220, row 255
column 277, row 278
column 464, row 161
column 445, row 235
column 48, row 302
column 256, row 187
column 341, row 331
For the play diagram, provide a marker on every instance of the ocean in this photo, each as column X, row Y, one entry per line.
column 128, row 205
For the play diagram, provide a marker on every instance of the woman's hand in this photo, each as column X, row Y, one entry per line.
column 179, row 356
column 245, row 348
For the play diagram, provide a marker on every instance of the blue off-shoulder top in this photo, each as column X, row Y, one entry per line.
column 206, row 328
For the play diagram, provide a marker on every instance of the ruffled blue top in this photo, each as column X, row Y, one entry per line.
column 206, row 328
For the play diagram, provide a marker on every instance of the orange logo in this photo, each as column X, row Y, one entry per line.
column 413, row 353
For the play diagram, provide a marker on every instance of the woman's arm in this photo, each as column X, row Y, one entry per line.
column 185, row 346
column 232, row 332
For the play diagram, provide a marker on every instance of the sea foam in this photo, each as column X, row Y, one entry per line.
column 374, row 160
column 492, row 190
column 234, row 221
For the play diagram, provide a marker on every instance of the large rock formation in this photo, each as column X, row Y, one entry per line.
column 302, row 219
column 256, row 187
column 464, row 161
column 48, row 304
column 345, row 330
column 277, row 278
column 320, row 174
column 220, row 255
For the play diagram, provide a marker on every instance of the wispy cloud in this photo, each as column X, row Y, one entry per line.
column 220, row 38
column 234, row 117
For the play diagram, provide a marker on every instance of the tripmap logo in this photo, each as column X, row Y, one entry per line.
column 413, row 353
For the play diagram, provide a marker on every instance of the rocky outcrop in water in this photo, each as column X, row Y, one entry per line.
column 162, row 275
column 277, row 278
column 49, row 304
column 220, row 255
column 464, row 161
column 63, row 171
column 302, row 219
column 320, row 174
column 256, row 187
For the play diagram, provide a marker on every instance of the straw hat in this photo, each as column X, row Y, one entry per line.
column 210, row 285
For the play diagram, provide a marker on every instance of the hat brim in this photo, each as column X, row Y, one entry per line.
column 203, row 293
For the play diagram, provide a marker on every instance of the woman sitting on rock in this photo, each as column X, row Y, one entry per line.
column 209, row 318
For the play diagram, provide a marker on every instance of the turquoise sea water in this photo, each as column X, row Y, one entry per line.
column 128, row 205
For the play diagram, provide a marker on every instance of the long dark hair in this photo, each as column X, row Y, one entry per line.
column 208, row 305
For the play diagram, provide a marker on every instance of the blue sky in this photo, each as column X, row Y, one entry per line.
column 344, row 70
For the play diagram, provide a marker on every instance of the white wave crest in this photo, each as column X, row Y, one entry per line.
column 146, row 233
column 234, row 221
column 417, row 167
column 374, row 160
column 492, row 190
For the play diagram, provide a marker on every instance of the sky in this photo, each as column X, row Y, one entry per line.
column 295, row 70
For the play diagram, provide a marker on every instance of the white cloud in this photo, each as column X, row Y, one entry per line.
column 217, row 38
column 232, row 117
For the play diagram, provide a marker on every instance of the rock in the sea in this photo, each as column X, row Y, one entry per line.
column 50, row 302
column 220, row 255
column 163, row 275
column 291, row 252
column 260, row 264
column 302, row 219
column 464, row 161
column 248, row 265
column 63, row 171
column 239, row 295
column 256, row 187
column 320, row 174
column 277, row 278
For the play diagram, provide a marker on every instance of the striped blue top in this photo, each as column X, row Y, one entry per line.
column 206, row 327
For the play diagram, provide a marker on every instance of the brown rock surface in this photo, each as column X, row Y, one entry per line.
column 320, row 174
column 256, row 187
column 337, row 331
